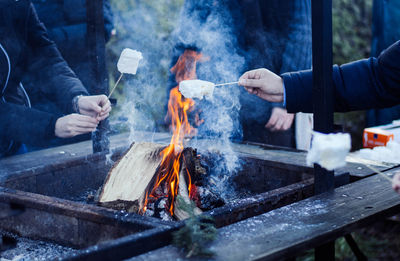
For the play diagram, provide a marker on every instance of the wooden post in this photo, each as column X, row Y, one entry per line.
column 322, row 98
column 96, row 55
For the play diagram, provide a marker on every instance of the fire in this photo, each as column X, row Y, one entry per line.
column 178, row 108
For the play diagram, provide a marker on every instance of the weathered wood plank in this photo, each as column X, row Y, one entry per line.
column 290, row 230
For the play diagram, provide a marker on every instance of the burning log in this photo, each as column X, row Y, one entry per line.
column 128, row 179
column 142, row 178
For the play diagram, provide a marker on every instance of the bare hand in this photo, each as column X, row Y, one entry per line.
column 280, row 120
column 96, row 106
column 396, row 182
column 263, row 83
column 74, row 124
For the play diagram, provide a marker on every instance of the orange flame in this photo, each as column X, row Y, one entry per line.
column 178, row 107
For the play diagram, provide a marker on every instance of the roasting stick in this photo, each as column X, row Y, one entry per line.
column 378, row 172
column 223, row 84
column 115, row 86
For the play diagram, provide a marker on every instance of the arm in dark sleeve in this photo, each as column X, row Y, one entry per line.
column 49, row 69
column 360, row 85
column 26, row 125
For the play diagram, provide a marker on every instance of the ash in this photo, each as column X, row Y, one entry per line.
column 27, row 249
column 87, row 196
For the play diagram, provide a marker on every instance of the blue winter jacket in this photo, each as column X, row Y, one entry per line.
column 360, row 85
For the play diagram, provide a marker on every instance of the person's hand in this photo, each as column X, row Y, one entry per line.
column 96, row 106
column 396, row 182
column 74, row 124
column 280, row 120
column 263, row 83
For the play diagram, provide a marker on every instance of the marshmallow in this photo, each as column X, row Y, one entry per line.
column 129, row 61
column 196, row 89
column 329, row 150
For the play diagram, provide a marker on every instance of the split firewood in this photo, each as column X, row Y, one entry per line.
column 130, row 176
column 136, row 173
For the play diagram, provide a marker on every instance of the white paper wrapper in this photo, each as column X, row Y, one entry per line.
column 329, row 150
column 196, row 89
column 129, row 61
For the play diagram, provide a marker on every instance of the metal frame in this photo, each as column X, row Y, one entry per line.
column 322, row 98
column 96, row 51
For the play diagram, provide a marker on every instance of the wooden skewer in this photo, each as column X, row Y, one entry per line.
column 113, row 89
column 223, row 84
column 115, row 86
column 378, row 172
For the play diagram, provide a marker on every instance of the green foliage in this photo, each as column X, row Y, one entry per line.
column 368, row 246
column 197, row 233
column 351, row 30
column 352, row 21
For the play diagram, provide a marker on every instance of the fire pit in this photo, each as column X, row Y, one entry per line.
column 55, row 194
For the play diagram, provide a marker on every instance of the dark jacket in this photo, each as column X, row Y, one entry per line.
column 66, row 24
column 385, row 31
column 27, row 48
column 360, row 85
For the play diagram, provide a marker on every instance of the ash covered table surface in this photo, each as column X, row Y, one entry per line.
column 290, row 230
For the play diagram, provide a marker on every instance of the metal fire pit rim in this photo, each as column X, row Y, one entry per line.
column 76, row 209
column 105, row 249
column 128, row 246
column 241, row 206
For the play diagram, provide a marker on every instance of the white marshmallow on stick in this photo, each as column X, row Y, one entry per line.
column 329, row 150
column 199, row 88
column 128, row 63
column 196, row 88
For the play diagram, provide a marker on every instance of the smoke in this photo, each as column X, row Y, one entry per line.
column 146, row 27
column 207, row 27
column 202, row 26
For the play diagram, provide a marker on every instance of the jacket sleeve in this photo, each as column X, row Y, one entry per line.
column 360, row 85
column 49, row 69
column 26, row 125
